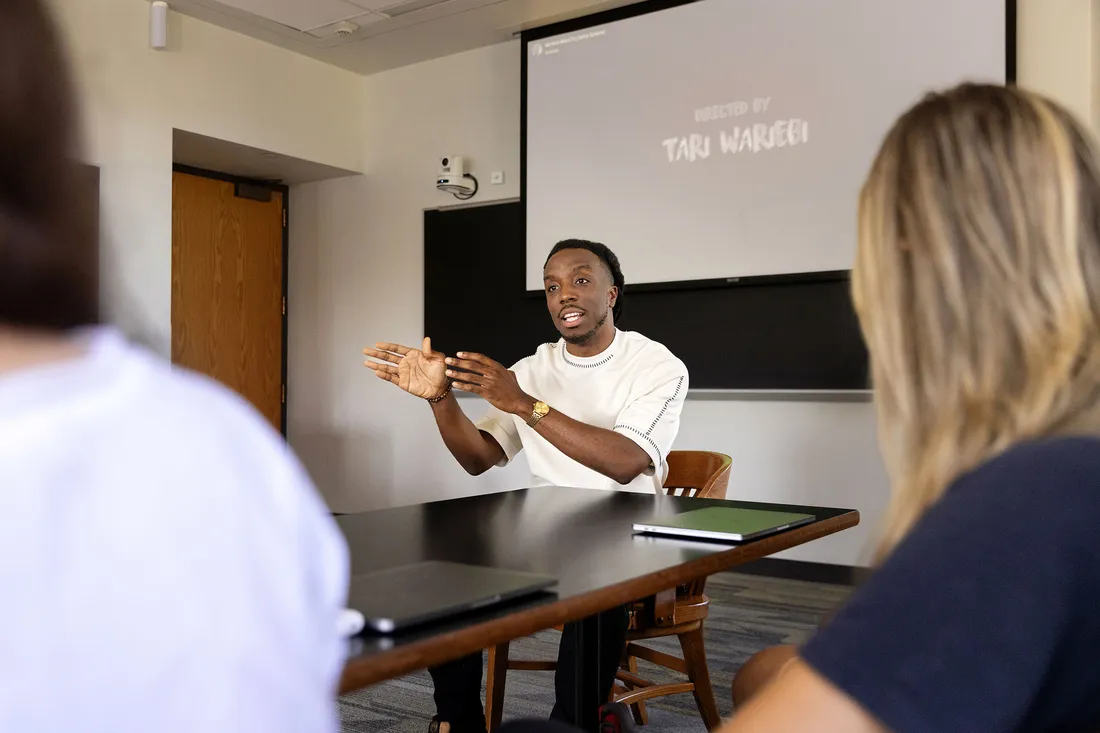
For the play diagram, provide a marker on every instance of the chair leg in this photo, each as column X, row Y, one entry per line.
column 696, row 658
column 641, row 715
column 494, row 686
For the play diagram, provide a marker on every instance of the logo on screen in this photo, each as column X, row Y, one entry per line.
column 536, row 49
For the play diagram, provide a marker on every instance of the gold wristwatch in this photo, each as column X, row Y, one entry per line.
column 540, row 410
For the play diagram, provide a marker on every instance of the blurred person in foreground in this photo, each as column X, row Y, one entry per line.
column 977, row 284
column 166, row 563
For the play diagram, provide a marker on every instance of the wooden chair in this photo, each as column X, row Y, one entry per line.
column 676, row 612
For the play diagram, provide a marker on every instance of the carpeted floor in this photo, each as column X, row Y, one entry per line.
column 747, row 613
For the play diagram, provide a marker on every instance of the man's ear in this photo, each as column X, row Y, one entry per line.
column 613, row 297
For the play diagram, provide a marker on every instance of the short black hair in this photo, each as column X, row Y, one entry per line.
column 610, row 261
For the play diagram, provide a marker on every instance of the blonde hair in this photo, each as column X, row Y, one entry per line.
column 977, row 284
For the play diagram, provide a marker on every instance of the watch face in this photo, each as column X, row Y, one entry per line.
column 542, row 408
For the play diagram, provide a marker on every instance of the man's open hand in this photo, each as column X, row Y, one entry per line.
column 420, row 372
column 483, row 376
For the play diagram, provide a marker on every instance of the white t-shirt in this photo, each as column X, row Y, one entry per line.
column 166, row 564
column 635, row 387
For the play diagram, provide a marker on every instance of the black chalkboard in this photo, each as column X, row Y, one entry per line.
column 774, row 336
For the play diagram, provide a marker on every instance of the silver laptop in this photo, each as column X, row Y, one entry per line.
column 398, row 598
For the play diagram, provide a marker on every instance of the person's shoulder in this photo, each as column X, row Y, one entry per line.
column 1039, row 470
column 1039, row 496
column 186, row 402
column 544, row 355
column 649, row 354
column 231, row 447
column 1002, row 567
column 180, row 389
column 194, row 432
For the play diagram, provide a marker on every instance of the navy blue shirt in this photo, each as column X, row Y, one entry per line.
column 987, row 616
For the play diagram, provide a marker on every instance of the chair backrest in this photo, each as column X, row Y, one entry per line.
column 702, row 475
column 698, row 473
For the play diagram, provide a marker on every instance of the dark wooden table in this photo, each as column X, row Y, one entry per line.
column 582, row 537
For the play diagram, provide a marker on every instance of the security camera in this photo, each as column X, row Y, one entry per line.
column 463, row 187
column 454, row 179
column 452, row 165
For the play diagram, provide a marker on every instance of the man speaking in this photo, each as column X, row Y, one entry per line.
column 598, row 409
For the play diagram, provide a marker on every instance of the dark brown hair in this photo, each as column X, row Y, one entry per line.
column 48, row 242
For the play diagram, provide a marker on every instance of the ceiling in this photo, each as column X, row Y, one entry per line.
column 367, row 36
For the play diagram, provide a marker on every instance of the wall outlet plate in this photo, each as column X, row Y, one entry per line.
column 497, row 178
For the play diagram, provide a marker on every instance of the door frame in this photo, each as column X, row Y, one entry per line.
column 285, row 191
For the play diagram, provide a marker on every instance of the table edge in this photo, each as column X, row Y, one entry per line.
column 358, row 674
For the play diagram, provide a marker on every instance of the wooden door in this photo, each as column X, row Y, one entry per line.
column 227, row 289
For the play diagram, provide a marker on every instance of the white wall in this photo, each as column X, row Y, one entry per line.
column 210, row 81
column 357, row 273
column 1059, row 52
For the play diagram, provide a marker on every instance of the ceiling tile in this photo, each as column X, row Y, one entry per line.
column 362, row 21
column 301, row 15
column 407, row 35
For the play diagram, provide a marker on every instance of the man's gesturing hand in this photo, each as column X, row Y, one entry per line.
column 483, row 376
column 419, row 372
